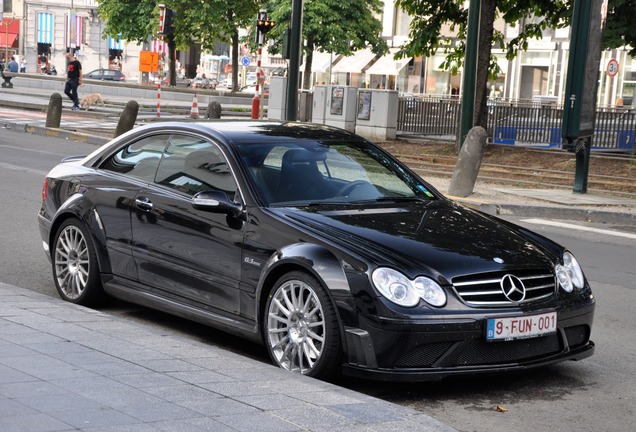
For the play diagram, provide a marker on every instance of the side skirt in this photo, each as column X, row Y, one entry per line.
column 130, row 292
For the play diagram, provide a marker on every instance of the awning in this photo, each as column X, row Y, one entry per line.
column 387, row 65
column 355, row 63
column 321, row 61
column 12, row 40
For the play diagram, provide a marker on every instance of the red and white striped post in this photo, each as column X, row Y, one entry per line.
column 162, row 20
column 262, row 26
column 256, row 101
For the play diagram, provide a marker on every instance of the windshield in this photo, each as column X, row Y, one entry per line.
column 306, row 172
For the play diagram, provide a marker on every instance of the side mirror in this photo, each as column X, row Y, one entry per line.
column 216, row 202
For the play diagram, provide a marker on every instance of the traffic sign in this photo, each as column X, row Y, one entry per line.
column 245, row 61
column 612, row 67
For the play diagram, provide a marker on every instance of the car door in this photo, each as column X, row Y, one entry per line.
column 121, row 176
column 183, row 253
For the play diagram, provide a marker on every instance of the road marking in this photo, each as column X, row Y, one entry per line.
column 579, row 227
column 21, row 168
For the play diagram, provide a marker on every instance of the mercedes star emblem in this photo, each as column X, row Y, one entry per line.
column 513, row 288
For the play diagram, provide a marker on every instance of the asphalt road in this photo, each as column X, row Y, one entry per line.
column 597, row 394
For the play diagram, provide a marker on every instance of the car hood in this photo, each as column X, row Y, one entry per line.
column 434, row 238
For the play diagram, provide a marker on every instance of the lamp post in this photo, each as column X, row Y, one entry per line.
column 6, row 39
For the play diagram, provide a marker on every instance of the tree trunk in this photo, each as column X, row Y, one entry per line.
column 235, row 61
column 486, row 21
column 308, row 62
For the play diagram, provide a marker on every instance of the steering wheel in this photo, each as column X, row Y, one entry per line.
column 349, row 187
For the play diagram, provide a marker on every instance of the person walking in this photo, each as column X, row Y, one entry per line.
column 73, row 80
column 23, row 66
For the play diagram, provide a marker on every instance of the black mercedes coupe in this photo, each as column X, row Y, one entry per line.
column 315, row 242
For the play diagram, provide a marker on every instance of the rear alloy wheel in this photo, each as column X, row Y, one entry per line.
column 301, row 329
column 75, row 269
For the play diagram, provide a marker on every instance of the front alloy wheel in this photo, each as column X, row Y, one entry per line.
column 302, row 333
column 75, row 264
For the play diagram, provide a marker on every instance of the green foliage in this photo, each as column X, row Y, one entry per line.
column 130, row 20
column 204, row 21
column 619, row 27
column 207, row 23
column 432, row 16
column 334, row 26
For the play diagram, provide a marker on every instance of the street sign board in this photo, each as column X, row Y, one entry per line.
column 245, row 61
column 148, row 61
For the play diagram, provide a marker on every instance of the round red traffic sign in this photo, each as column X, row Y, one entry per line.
column 612, row 67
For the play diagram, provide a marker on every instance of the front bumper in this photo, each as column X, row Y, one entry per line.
column 432, row 350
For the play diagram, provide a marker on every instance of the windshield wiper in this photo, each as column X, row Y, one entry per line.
column 401, row 199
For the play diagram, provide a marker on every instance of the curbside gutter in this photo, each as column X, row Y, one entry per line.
column 549, row 212
column 57, row 133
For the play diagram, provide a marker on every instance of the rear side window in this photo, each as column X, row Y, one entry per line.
column 139, row 159
column 192, row 165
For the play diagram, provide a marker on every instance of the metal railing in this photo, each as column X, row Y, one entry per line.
column 518, row 122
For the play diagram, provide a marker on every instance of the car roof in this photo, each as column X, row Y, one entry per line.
column 268, row 131
column 234, row 132
column 246, row 131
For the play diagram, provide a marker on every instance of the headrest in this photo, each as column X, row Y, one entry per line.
column 302, row 155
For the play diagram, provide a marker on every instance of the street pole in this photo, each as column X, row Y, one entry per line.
column 470, row 71
column 260, row 39
column 72, row 38
column 162, row 16
column 294, row 59
column 579, row 110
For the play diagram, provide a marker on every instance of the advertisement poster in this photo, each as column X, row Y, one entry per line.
column 364, row 105
column 337, row 100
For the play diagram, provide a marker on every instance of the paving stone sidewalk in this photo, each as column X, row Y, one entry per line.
column 64, row 367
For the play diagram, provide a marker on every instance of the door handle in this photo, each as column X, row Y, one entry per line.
column 143, row 204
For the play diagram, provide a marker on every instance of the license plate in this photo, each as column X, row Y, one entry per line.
column 522, row 327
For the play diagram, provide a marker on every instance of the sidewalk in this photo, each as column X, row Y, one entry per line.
column 64, row 367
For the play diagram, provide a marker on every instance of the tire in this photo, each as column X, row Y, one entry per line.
column 300, row 327
column 75, row 268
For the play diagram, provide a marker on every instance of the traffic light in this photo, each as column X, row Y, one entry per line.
column 168, row 28
column 264, row 26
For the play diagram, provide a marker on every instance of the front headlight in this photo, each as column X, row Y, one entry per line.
column 404, row 292
column 569, row 274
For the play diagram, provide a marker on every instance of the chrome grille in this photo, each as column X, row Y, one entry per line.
column 485, row 289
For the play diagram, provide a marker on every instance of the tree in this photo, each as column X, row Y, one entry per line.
column 619, row 27
column 208, row 23
column 218, row 20
column 339, row 27
column 429, row 17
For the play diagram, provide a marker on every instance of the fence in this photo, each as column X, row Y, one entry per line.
column 517, row 122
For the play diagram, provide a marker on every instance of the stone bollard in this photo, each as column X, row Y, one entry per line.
column 128, row 118
column 54, row 111
column 468, row 163
column 213, row 111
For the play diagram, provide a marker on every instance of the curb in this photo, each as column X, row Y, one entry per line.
column 548, row 212
column 575, row 214
column 57, row 133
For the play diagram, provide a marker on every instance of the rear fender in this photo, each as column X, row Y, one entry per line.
column 79, row 207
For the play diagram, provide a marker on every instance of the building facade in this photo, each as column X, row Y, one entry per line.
column 540, row 71
column 42, row 31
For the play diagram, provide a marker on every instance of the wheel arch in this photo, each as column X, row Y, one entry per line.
column 316, row 261
column 78, row 207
